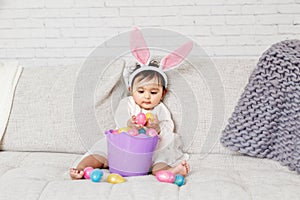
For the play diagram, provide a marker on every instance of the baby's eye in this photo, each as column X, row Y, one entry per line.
column 153, row 92
column 141, row 91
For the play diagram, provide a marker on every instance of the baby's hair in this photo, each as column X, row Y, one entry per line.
column 149, row 74
column 153, row 63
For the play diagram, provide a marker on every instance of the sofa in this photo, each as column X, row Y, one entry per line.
column 46, row 134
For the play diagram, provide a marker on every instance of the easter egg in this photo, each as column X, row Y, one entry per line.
column 87, row 172
column 142, row 136
column 151, row 132
column 124, row 129
column 133, row 132
column 142, row 131
column 96, row 175
column 165, row 176
column 115, row 178
column 179, row 180
column 149, row 116
column 115, row 132
column 140, row 119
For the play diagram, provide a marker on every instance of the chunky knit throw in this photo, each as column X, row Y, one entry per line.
column 266, row 121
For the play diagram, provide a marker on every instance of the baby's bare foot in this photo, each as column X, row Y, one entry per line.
column 76, row 174
column 183, row 168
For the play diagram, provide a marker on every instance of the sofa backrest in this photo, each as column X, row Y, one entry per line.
column 42, row 116
column 45, row 117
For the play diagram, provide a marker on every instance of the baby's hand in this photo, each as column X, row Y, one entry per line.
column 154, row 124
column 131, row 123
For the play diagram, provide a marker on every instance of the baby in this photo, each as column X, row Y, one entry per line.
column 147, row 91
column 147, row 84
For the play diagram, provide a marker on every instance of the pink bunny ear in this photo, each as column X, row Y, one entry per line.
column 139, row 47
column 177, row 56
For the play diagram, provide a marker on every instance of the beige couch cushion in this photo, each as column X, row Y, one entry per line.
column 202, row 96
column 234, row 75
column 36, row 175
column 43, row 118
column 50, row 113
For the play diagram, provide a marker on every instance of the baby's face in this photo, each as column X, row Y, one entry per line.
column 147, row 96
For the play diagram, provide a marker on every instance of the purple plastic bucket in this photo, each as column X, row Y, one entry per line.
column 130, row 155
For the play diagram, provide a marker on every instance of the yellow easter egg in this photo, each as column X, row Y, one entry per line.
column 115, row 178
column 123, row 129
column 149, row 116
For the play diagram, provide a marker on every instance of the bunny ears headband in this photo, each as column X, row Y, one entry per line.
column 141, row 52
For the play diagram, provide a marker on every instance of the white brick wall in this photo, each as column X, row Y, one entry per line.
column 59, row 32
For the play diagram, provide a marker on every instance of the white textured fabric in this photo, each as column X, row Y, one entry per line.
column 234, row 74
column 43, row 93
column 10, row 72
column 43, row 116
column 43, row 176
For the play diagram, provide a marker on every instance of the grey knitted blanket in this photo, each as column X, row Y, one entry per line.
column 265, row 122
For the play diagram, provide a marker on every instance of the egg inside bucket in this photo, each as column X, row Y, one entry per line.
column 130, row 155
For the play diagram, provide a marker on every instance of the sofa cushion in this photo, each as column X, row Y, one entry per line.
column 36, row 175
column 234, row 74
column 216, row 87
column 43, row 116
column 218, row 176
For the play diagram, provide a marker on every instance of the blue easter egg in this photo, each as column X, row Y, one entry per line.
column 142, row 131
column 96, row 175
column 179, row 180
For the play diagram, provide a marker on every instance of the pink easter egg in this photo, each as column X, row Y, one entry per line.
column 115, row 131
column 141, row 119
column 165, row 176
column 151, row 132
column 142, row 136
column 87, row 172
column 133, row 132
